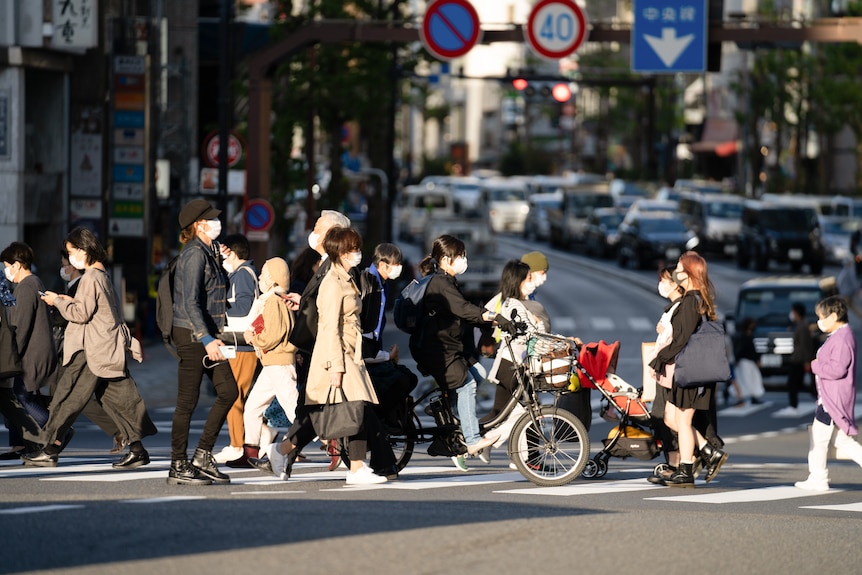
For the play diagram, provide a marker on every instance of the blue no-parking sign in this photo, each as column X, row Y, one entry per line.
column 450, row 28
column 669, row 36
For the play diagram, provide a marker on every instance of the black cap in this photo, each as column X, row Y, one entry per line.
column 197, row 210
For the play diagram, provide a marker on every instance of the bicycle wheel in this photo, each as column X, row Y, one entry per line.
column 552, row 450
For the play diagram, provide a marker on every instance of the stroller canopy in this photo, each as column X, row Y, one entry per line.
column 599, row 359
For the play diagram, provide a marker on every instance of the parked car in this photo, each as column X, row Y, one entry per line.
column 602, row 234
column 836, row 232
column 421, row 204
column 647, row 205
column 701, row 186
column 767, row 300
column 647, row 238
column 504, row 202
column 536, row 225
column 779, row 234
column 568, row 225
column 716, row 220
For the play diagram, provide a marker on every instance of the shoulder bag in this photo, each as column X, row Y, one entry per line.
column 703, row 360
column 10, row 359
column 337, row 420
column 235, row 328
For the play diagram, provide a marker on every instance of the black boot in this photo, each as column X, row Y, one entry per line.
column 184, row 473
column 682, row 477
column 660, row 478
column 712, row 459
column 205, row 463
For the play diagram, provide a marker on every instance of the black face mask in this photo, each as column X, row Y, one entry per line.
column 675, row 277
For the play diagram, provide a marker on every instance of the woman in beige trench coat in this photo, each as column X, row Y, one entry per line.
column 336, row 360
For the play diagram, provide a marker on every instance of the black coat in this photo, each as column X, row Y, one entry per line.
column 305, row 328
column 443, row 348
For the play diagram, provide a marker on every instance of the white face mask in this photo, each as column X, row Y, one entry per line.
column 825, row 324
column 792, row 316
column 664, row 290
column 459, row 266
column 78, row 264
column 313, row 240
column 539, row 279
column 527, row 288
column 213, row 229
column 394, row 272
column 63, row 275
column 227, row 267
column 353, row 259
column 9, row 273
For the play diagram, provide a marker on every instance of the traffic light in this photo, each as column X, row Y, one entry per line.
column 543, row 90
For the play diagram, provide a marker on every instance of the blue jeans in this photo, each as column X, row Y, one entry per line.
column 465, row 405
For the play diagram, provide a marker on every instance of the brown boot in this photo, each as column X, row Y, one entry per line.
column 242, row 460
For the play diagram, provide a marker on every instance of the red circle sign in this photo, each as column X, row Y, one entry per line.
column 211, row 149
column 556, row 28
column 450, row 28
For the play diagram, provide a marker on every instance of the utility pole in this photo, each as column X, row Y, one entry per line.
column 224, row 102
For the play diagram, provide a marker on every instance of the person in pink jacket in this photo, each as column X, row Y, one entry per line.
column 835, row 377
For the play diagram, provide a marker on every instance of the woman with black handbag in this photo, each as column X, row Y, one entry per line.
column 684, row 402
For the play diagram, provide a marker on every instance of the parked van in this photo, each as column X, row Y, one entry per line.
column 716, row 220
column 504, row 201
column 420, row 204
column 782, row 234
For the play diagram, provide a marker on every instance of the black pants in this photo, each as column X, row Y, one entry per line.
column 795, row 382
column 119, row 396
column 18, row 420
column 190, row 373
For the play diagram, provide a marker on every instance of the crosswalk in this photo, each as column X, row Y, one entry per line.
column 309, row 477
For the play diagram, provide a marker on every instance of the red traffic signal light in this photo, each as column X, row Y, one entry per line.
column 561, row 92
column 520, row 84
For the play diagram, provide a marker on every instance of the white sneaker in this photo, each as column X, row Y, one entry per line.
column 229, row 453
column 364, row 476
column 485, row 455
column 813, row 485
column 277, row 461
column 267, row 434
column 788, row 411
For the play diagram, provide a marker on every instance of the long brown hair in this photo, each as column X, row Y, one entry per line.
column 695, row 267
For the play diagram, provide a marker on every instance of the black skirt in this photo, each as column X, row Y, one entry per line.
column 692, row 397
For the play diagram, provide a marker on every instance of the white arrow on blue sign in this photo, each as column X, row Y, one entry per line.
column 669, row 36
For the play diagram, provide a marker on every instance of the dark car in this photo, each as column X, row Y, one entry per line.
column 602, row 234
column 779, row 234
column 651, row 237
column 536, row 226
column 767, row 301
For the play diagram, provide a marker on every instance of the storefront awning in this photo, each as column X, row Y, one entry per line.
column 719, row 137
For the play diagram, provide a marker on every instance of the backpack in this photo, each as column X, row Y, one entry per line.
column 165, row 303
column 408, row 309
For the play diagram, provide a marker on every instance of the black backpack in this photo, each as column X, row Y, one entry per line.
column 408, row 309
column 165, row 303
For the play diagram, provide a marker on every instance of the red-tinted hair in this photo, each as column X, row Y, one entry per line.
column 695, row 267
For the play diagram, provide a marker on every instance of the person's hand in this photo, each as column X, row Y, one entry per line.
column 335, row 378
column 393, row 353
column 49, row 297
column 292, row 300
column 248, row 335
column 213, row 350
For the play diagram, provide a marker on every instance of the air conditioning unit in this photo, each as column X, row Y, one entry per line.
column 8, row 22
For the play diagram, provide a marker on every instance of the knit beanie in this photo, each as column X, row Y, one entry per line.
column 536, row 260
column 279, row 272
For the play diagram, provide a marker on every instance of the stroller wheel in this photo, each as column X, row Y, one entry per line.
column 603, row 467
column 591, row 470
column 660, row 468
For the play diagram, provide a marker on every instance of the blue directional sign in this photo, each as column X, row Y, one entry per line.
column 669, row 36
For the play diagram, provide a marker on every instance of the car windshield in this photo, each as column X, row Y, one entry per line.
column 611, row 221
column 663, row 225
column 506, row 195
column 730, row 210
column 839, row 227
column 770, row 307
column 785, row 220
column 430, row 201
column 583, row 204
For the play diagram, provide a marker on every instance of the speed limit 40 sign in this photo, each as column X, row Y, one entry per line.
column 556, row 28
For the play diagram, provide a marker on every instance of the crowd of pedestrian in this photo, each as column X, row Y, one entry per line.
column 309, row 335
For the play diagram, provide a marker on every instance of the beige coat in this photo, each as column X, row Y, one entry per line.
column 339, row 340
column 271, row 344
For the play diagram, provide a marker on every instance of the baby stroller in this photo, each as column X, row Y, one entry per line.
column 621, row 404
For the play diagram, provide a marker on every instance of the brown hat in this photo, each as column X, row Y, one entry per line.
column 278, row 271
column 536, row 260
column 197, row 210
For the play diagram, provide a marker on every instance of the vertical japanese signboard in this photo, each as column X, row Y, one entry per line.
column 76, row 24
column 128, row 156
column 5, row 151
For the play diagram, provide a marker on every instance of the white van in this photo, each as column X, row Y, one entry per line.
column 504, row 200
column 420, row 204
column 716, row 219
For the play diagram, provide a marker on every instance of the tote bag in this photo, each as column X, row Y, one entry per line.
column 337, row 420
column 703, row 360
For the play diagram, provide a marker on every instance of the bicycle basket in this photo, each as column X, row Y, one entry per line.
column 550, row 361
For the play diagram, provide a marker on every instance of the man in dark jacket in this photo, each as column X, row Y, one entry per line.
column 799, row 362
